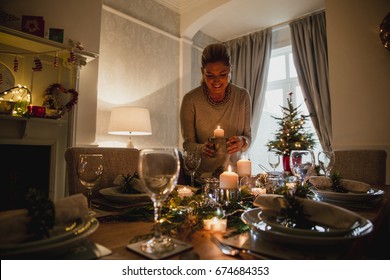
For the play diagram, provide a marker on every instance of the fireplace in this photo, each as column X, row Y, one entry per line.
column 25, row 167
column 35, row 151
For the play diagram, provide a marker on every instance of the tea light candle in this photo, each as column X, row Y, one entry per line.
column 184, row 192
column 228, row 179
column 219, row 132
column 214, row 224
column 257, row 191
column 244, row 167
column 218, row 225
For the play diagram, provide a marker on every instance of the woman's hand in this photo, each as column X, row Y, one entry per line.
column 235, row 144
column 208, row 149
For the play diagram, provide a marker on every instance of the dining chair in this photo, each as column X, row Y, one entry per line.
column 363, row 165
column 116, row 161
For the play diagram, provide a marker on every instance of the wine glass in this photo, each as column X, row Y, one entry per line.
column 89, row 172
column 302, row 164
column 326, row 161
column 158, row 171
column 191, row 164
column 273, row 160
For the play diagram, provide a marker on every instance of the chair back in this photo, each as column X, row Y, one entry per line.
column 116, row 161
column 367, row 166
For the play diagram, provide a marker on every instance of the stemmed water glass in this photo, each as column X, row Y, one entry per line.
column 302, row 164
column 273, row 160
column 158, row 171
column 326, row 161
column 191, row 164
column 89, row 172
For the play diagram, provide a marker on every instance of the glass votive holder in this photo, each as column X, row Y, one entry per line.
column 220, row 146
column 226, row 196
column 36, row 111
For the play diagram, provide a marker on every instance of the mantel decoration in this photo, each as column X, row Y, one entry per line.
column 58, row 100
column 291, row 134
column 15, row 101
column 384, row 32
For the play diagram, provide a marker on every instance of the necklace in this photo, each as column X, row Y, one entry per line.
column 225, row 99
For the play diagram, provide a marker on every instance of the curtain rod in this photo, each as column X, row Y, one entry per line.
column 286, row 23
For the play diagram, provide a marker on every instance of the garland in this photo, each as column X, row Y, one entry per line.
column 52, row 100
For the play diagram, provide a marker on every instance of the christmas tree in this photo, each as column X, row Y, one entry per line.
column 291, row 134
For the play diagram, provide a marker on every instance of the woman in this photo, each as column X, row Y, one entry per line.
column 216, row 102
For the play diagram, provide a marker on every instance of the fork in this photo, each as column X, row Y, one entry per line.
column 236, row 252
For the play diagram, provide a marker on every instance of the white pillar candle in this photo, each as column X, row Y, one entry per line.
column 219, row 132
column 244, row 167
column 184, row 192
column 228, row 180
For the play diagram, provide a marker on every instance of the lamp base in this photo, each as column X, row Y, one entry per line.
column 130, row 144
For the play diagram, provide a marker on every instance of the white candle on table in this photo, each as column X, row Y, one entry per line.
column 184, row 192
column 228, row 180
column 257, row 191
column 244, row 167
column 219, row 132
column 218, row 225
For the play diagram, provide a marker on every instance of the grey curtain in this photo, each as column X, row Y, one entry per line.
column 309, row 48
column 250, row 59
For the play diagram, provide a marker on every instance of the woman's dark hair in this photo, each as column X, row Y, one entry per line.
column 214, row 53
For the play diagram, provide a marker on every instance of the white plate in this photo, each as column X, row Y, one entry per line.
column 62, row 237
column 348, row 196
column 116, row 194
column 251, row 218
column 316, row 230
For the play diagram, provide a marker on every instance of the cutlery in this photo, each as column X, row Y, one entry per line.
column 236, row 251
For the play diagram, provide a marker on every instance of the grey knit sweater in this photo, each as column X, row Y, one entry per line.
column 199, row 118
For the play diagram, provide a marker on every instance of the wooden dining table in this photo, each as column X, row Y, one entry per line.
column 116, row 234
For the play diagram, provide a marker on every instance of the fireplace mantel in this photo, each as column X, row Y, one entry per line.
column 59, row 134
column 40, row 131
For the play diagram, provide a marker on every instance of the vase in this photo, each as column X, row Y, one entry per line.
column 286, row 163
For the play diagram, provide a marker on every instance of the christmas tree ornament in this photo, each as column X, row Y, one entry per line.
column 37, row 64
column 72, row 57
column 16, row 64
column 55, row 63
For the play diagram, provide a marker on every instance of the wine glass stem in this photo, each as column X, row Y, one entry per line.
column 157, row 215
column 192, row 174
column 89, row 199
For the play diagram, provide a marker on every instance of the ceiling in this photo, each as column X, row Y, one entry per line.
column 228, row 19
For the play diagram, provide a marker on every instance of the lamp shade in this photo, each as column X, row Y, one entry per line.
column 130, row 121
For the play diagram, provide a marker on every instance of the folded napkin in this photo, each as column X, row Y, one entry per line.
column 135, row 183
column 320, row 213
column 322, row 182
column 13, row 223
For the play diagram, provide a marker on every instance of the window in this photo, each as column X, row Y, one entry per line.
column 282, row 79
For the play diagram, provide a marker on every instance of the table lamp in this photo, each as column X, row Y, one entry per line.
column 130, row 121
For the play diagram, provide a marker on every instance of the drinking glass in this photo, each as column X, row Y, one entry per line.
column 273, row 160
column 89, row 172
column 326, row 161
column 302, row 164
column 191, row 164
column 158, row 171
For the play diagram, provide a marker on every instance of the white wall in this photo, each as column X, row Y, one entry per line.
column 359, row 73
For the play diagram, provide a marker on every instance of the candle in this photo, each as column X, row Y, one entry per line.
column 219, row 132
column 257, row 191
column 244, row 167
column 228, row 179
column 184, row 192
column 214, row 224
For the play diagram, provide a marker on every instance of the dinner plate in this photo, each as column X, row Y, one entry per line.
column 62, row 237
column 371, row 194
column 116, row 194
column 267, row 232
column 315, row 230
